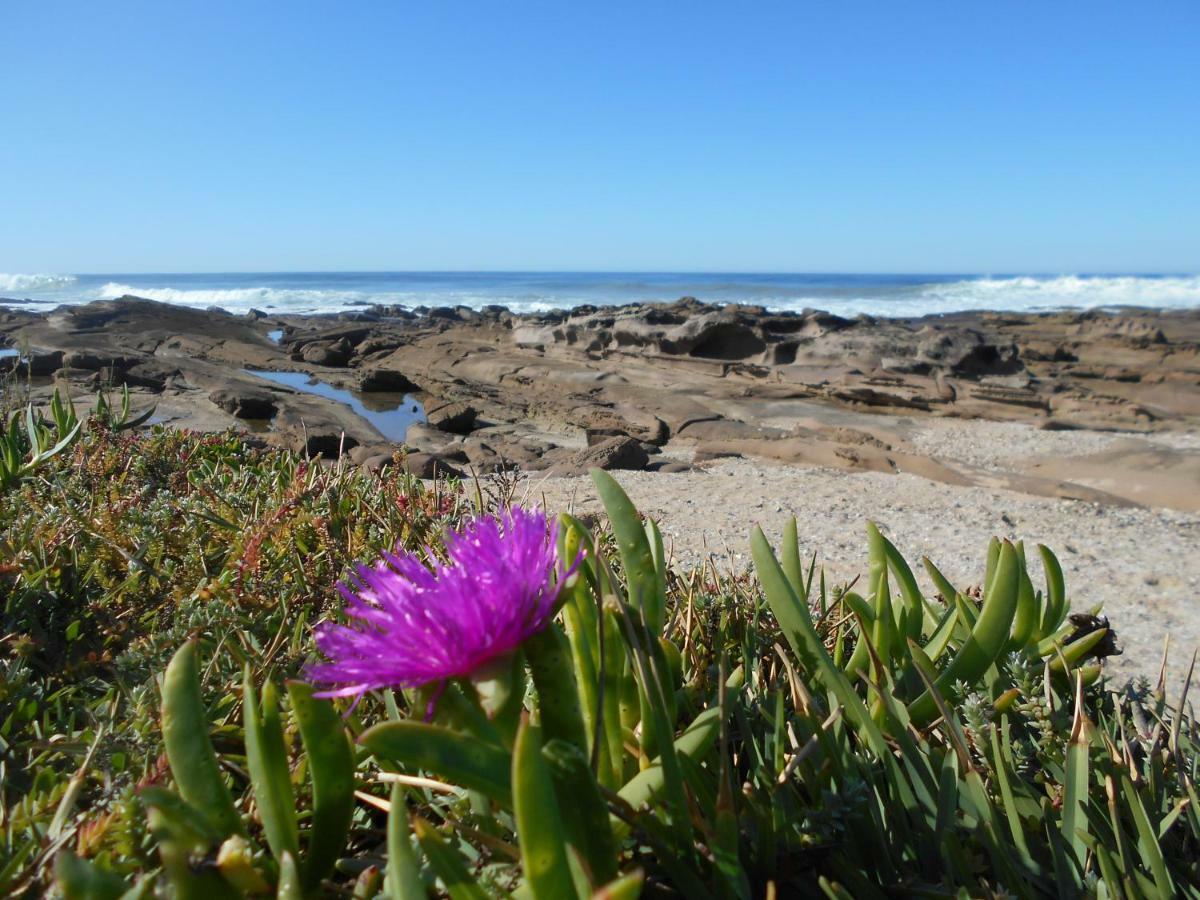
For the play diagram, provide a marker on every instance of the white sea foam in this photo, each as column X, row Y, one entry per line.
column 1025, row 292
column 847, row 296
column 289, row 300
column 33, row 283
column 242, row 299
column 1013, row 294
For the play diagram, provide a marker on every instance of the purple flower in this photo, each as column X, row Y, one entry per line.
column 412, row 626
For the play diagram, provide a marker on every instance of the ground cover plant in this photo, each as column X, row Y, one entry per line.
column 584, row 720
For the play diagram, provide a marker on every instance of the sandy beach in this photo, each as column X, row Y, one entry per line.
column 1139, row 564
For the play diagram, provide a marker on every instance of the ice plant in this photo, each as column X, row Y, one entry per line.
column 412, row 625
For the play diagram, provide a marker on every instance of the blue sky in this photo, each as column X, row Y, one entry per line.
column 932, row 137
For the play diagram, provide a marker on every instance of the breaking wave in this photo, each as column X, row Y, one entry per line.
column 298, row 300
column 1065, row 291
column 33, row 283
column 848, row 295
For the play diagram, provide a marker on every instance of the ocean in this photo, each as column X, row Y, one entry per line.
column 884, row 295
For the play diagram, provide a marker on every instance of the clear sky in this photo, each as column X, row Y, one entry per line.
column 172, row 135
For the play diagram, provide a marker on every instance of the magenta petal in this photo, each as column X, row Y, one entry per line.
column 409, row 625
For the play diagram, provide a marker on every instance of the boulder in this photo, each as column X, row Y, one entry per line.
column 456, row 418
column 327, row 443
column 384, row 379
column 150, row 373
column 334, row 354
column 614, row 453
column 244, row 401
column 426, row 465
column 376, row 461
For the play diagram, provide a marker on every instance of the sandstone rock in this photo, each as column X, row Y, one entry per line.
column 668, row 467
column 601, row 423
column 384, row 379
column 245, row 402
column 66, row 373
column 708, row 454
column 426, row 465
column 376, row 461
column 615, row 453
column 151, row 373
column 94, row 361
column 379, row 343
column 717, row 335
column 326, row 353
column 327, row 443
column 456, row 418
column 35, row 362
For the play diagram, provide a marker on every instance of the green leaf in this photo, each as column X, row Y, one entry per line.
column 1148, row 845
column 1027, row 621
column 553, row 670
column 910, row 591
column 189, row 749
column 1075, row 651
column 266, row 758
column 79, row 879
column 584, row 813
column 797, row 626
column 793, row 566
column 940, row 581
column 331, row 764
column 647, row 785
column 636, row 556
column 447, row 863
column 540, row 830
column 454, row 757
column 988, row 639
column 1056, row 593
column 291, row 883
column 403, row 872
column 1075, row 787
column 627, row 887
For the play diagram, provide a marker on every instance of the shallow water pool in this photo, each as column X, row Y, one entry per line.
column 390, row 413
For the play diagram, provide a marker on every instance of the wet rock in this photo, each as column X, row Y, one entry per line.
column 727, row 430
column 456, row 418
column 245, row 402
column 384, row 379
column 35, row 362
column 326, row 353
column 327, row 443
